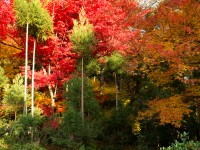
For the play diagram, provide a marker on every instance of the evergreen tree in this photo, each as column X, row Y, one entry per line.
column 83, row 39
column 13, row 95
column 73, row 132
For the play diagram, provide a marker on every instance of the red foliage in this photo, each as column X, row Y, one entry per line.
column 54, row 124
column 47, row 110
column 51, row 123
column 55, row 54
column 7, row 18
column 110, row 24
column 111, row 20
column 111, row 30
column 101, row 97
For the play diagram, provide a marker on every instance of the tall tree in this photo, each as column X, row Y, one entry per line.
column 115, row 64
column 55, row 59
column 13, row 95
column 83, row 40
column 170, row 56
column 33, row 15
column 110, row 26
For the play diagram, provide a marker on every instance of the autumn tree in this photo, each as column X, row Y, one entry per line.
column 115, row 64
column 166, row 55
column 72, row 131
column 55, row 60
column 13, row 96
column 33, row 16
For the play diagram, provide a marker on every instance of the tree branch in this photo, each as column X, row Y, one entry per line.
column 6, row 44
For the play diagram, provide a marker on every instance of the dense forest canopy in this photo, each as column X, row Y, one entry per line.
column 91, row 74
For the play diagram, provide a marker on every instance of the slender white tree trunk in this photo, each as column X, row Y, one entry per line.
column 52, row 94
column 33, row 73
column 82, row 92
column 26, row 71
column 51, row 90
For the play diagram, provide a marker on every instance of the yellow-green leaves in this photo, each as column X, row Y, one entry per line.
column 38, row 18
column 82, row 35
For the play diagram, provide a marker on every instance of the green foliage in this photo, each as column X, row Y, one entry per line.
column 27, row 146
column 82, row 35
column 184, row 145
column 115, row 63
column 116, row 129
column 73, row 94
column 3, row 78
column 93, row 68
column 13, row 95
column 25, row 126
column 26, row 129
column 72, row 131
column 39, row 20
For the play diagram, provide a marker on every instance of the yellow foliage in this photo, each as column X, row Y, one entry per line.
column 107, row 89
column 161, row 78
column 8, row 59
column 136, row 128
column 42, row 99
column 126, row 102
column 170, row 110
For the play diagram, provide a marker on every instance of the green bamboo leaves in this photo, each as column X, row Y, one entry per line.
column 82, row 36
column 38, row 18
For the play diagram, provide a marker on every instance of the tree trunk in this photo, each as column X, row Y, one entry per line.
column 197, row 116
column 82, row 91
column 120, row 84
column 116, row 91
column 52, row 94
column 33, row 72
column 101, row 79
column 26, row 71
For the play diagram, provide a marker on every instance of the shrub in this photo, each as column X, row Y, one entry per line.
column 184, row 145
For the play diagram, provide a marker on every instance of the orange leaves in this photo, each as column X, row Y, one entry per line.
column 44, row 102
column 174, row 32
column 170, row 110
column 161, row 78
column 9, row 61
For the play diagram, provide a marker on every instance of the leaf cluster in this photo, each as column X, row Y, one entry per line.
column 24, row 127
column 73, row 132
column 3, row 79
column 82, row 35
column 115, row 62
column 184, row 145
column 14, row 93
column 74, row 96
column 36, row 16
column 170, row 110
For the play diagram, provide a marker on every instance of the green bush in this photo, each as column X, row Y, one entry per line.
column 73, row 133
column 184, row 145
column 27, row 146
